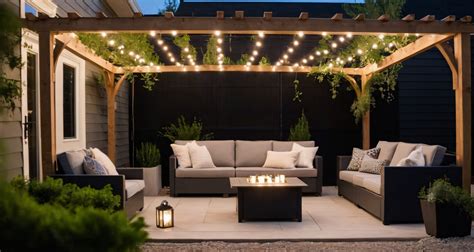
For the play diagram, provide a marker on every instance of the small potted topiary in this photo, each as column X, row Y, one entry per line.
column 447, row 210
column 148, row 157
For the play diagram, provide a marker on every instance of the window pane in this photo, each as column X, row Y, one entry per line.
column 69, row 102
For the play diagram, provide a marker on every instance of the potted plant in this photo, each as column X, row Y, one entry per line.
column 447, row 210
column 148, row 157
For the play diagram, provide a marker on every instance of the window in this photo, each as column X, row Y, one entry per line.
column 69, row 102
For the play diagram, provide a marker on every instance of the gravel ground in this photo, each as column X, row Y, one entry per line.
column 427, row 244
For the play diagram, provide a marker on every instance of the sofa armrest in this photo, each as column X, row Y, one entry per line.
column 401, row 185
column 342, row 162
column 173, row 166
column 117, row 182
column 131, row 172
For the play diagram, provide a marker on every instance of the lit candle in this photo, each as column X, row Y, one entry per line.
column 261, row 179
column 282, row 178
column 277, row 179
column 253, row 179
column 167, row 218
column 269, row 179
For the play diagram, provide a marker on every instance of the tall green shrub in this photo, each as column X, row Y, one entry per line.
column 300, row 131
column 26, row 225
column 183, row 130
column 148, row 155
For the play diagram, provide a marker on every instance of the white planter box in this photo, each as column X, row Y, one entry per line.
column 152, row 177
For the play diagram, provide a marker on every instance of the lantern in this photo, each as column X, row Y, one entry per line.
column 164, row 215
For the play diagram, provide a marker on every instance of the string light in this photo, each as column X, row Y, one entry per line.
column 261, row 34
column 103, row 34
column 324, row 34
column 360, row 52
column 334, row 45
column 300, row 34
column 326, row 52
column 258, row 44
column 252, row 58
column 342, row 39
column 160, row 41
column 318, row 53
column 186, row 49
column 349, row 35
column 219, row 41
column 217, row 33
column 311, row 57
column 291, row 50
column 381, row 36
column 305, row 61
column 131, row 53
column 152, row 33
column 390, row 45
column 112, row 42
column 219, row 49
column 296, row 43
column 285, row 56
column 375, row 46
column 255, row 52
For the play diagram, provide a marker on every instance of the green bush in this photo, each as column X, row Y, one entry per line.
column 148, row 155
column 442, row 192
column 184, row 131
column 300, row 131
column 26, row 225
column 70, row 196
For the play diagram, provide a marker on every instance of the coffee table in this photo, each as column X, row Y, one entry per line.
column 280, row 201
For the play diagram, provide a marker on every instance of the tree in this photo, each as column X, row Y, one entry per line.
column 170, row 6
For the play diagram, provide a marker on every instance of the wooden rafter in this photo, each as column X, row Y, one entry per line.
column 448, row 54
column 420, row 45
column 247, row 25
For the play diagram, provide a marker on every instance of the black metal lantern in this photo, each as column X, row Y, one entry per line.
column 164, row 215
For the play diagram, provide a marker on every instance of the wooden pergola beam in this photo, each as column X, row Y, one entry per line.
column 248, row 25
column 228, row 68
column 448, row 54
column 420, row 45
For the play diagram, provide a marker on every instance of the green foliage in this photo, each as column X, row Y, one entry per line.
column 149, row 80
column 300, row 131
column 183, row 42
column 264, row 61
column 170, row 6
column 136, row 46
column 374, row 8
column 360, row 106
column 321, row 74
column 184, row 131
column 10, row 37
column 30, row 226
column 210, row 56
column 442, row 192
column 244, row 58
column 70, row 196
column 148, row 155
column 298, row 93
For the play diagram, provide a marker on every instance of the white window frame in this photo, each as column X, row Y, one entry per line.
column 62, row 144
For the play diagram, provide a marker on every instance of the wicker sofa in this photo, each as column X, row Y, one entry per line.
column 392, row 196
column 129, row 184
column 239, row 159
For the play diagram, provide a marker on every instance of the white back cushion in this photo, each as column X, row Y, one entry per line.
column 105, row 160
column 402, row 151
column 182, row 154
column 200, row 156
column 416, row 158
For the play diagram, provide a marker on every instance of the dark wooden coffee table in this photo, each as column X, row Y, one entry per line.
column 268, row 201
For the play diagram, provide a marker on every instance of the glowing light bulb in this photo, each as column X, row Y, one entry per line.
column 285, row 56
column 330, row 65
column 252, row 58
column 165, row 48
column 217, row 33
column 311, row 57
column 349, row 58
column 219, row 49
column 296, row 43
column 186, row 49
column 324, row 34
column 278, row 63
column 103, row 34
column 417, row 34
column 189, row 56
column 131, row 53
column 170, row 55
column 172, row 60
column 112, row 42
column 219, row 40
column 220, row 55
column 326, row 52
column 381, row 36
column 255, row 53
column 349, row 35
column 151, row 64
column 318, row 53
column 390, row 45
column 334, row 45
column 248, row 63
column 261, row 34
column 300, row 34
column 305, row 61
column 178, row 64
column 281, row 61
column 375, row 46
column 342, row 39
column 160, row 41
column 121, row 51
column 174, row 33
column 296, row 65
column 258, row 44
column 152, row 33
column 291, row 50
column 360, row 52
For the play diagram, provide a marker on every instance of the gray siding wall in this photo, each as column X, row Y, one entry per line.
column 11, row 150
column 85, row 8
column 96, row 116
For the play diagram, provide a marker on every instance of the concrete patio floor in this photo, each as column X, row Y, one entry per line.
column 326, row 218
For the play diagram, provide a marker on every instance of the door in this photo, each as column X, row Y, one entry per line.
column 31, row 118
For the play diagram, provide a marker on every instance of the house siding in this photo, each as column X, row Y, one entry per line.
column 11, row 137
column 85, row 8
column 96, row 116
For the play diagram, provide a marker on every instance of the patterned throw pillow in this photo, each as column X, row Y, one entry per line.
column 93, row 167
column 358, row 155
column 372, row 165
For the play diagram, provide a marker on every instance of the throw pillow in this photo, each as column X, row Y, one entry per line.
column 372, row 165
column 105, row 161
column 281, row 159
column 200, row 156
column 358, row 155
column 415, row 158
column 93, row 167
column 306, row 156
column 182, row 154
column 75, row 160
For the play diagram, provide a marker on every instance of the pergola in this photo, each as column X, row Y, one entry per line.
column 55, row 35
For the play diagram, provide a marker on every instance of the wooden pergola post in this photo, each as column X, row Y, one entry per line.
column 462, row 55
column 47, row 103
column 112, row 90
column 366, row 118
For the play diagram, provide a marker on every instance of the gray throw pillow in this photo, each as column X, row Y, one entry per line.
column 93, row 167
column 358, row 155
column 372, row 165
column 75, row 160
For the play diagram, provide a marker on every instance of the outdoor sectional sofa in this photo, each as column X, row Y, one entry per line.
column 392, row 196
column 129, row 184
column 239, row 159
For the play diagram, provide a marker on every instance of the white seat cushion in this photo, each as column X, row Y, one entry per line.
column 294, row 172
column 347, row 176
column 218, row 172
column 133, row 186
column 371, row 182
